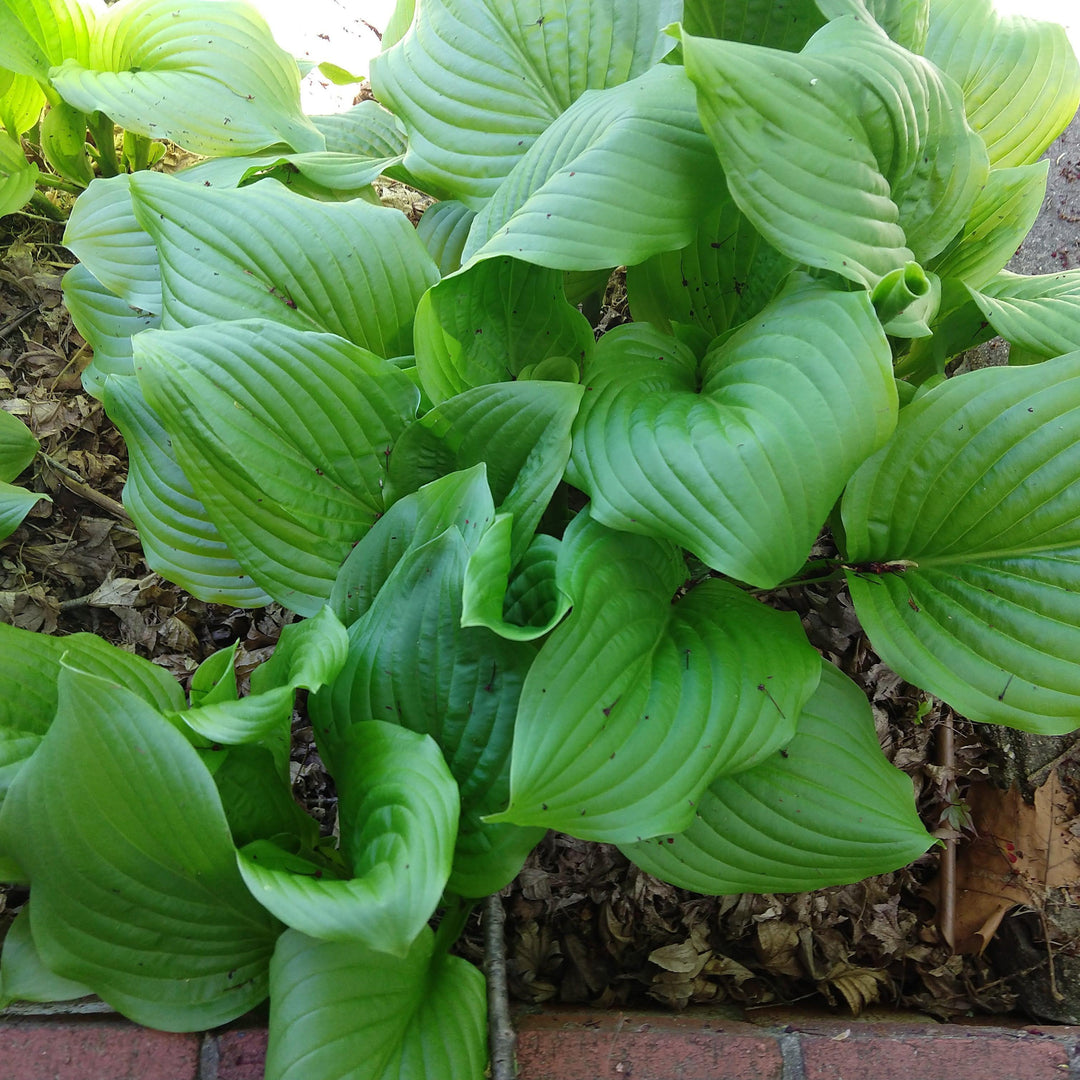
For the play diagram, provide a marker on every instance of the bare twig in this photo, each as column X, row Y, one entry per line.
column 75, row 483
column 501, row 1035
column 19, row 319
column 947, row 898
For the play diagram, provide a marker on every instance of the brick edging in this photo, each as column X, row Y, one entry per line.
column 577, row 1044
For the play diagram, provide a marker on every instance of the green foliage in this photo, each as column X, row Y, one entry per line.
column 532, row 566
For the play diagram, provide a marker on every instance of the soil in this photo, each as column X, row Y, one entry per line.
column 583, row 924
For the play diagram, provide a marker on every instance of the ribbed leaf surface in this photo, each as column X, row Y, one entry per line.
column 978, row 490
column 476, row 81
column 1038, row 314
column 739, row 457
column 828, row 810
column 36, row 34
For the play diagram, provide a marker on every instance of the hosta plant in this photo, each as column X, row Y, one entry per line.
column 532, row 565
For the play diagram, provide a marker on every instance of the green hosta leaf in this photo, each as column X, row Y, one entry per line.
column 622, row 174
column 288, row 460
column 15, row 504
column 17, row 175
column 1004, row 212
column 469, row 120
column 976, row 495
column 1040, row 314
column 785, row 25
column 174, row 941
column 106, row 237
column 462, row 688
column 1020, row 78
column 487, row 323
column 739, row 457
column 635, row 703
column 828, row 811
column 29, row 669
column 520, row 430
column 308, row 655
column 859, row 191
column 366, row 129
column 207, row 76
column 521, row 602
column 23, row 976
column 179, row 541
column 444, row 229
column 17, row 446
column 399, row 815
column 461, row 500
column 63, row 142
column 107, row 323
column 353, row 269
column 346, row 1012
column 35, row 34
column 723, row 277
column 21, row 102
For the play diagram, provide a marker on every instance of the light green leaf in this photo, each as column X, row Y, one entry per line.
column 17, row 446
column 859, row 190
column 35, row 34
column 174, row 941
column 366, row 128
column 1002, row 216
column 105, row 236
column 207, row 76
column 1020, row 77
column 1039, row 314
column 976, row 497
column 308, row 655
column 486, row 323
column 462, row 688
column 475, row 82
column 346, row 1012
column 107, row 323
column 17, row 175
column 29, row 669
column 785, row 25
column 287, row 459
column 622, row 174
column 635, row 703
column 15, row 504
column 444, row 229
column 828, row 811
column 353, row 269
column 179, row 541
column 399, row 816
column 741, row 456
column 461, row 500
column 520, row 430
column 21, row 102
column 723, row 277
column 522, row 602
column 23, row 976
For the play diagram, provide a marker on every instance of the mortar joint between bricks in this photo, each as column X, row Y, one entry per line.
column 791, row 1056
column 209, row 1057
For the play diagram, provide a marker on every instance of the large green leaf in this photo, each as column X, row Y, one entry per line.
column 179, row 541
column 288, row 459
column 477, row 81
column 976, row 496
column 366, row 129
column 15, row 504
column 622, row 174
column 741, row 456
column 136, row 891
column 487, row 323
column 784, row 25
column 29, row 670
column 827, row 810
column 1038, row 314
column 444, row 228
column 520, row 430
column 36, row 34
column 462, row 688
column 1020, row 78
column 23, row 976
column 207, row 76
column 17, row 175
column 17, row 446
column 852, row 156
column 21, row 102
column 636, row 703
column 1002, row 216
column 345, row 1012
column 399, row 815
column 723, row 277
column 107, row 323
column 353, row 269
